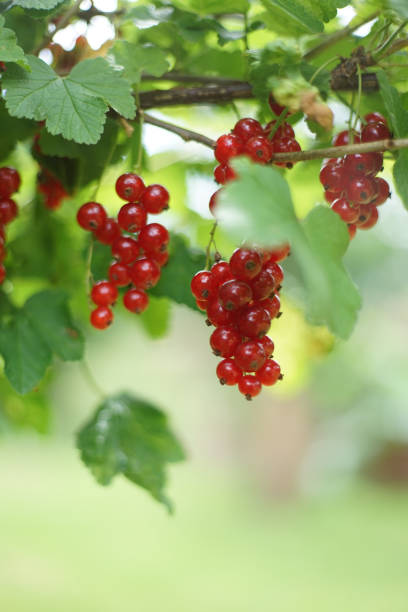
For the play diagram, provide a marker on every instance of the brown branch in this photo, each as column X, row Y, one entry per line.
column 195, row 95
column 177, row 77
column 185, row 134
column 364, row 147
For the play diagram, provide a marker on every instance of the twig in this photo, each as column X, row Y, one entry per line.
column 210, row 243
column 185, row 134
column 363, row 147
column 64, row 21
column 178, row 77
column 195, row 95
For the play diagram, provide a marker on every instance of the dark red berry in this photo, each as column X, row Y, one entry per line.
column 221, row 273
column 286, row 145
column 247, row 128
column 160, row 257
column 132, row 217
column 348, row 213
column 254, row 321
column 358, row 164
column 383, row 191
column 368, row 217
column 249, row 356
column 374, row 131
column 272, row 306
column 104, row 293
column 228, row 146
column 343, row 138
column 101, row 317
column 91, row 216
column 130, row 187
column 375, row 118
column 361, row 190
column 224, row 173
column 267, row 345
column 218, row 315
column 285, row 130
column 224, row 340
column 153, row 238
column 269, row 373
column 136, row 300
column 119, row 274
column 125, row 249
column 234, row 294
column 259, row 149
column 245, row 263
column 263, row 285
column 9, row 181
column 155, row 199
column 276, row 270
column 228, row 372
column 109, row 231
column 202, row 285
column 8, row 210
column 249, row 386
column 2, row 273
column 332, row 177
column 145, row 273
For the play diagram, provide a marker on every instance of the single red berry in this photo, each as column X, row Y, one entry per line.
column 276, row 270
column 224, row 340
column 224, row 173
column 358, row 164
column 377, row 161
column 130, row 187
column 9, row 181
column 234, row 294
column 368, row 217
column 145, row 273
column 91, row 216
column 8, row 210
column 125, row 249
column 383, row 191
column 285, row 130
column 104, row 293
column 2, row 273
column 263, row 285
column 286, row 145
column 132, row 217
column 218, row 315
column 272, row 306
column 221, row 273
column 155, row 199
column 254, row 321
column 202, row 285
column 245, row 263
column 278, row 253
column 330, row 196
column 361, row 190
column 375, row 131
column 228, row 146
column 332, row 177
column 249, row 386
column 343, row 138
column 352, row 228
column 109, row 231
column 348, row 213
column 160, row 257
column 153, row 238
column 228, row 372
column 136, row 300
column 202, row 305
column 267, row 345
column 249, row 356
column 270, row 373
column 247, row 128
column 119, row 274
column 101, row 317
column 375, row 118
column 213, row 201
column 259, row 149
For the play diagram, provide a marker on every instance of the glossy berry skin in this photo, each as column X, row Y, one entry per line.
column 101, row 317
column 202, row 305
column 382, row 190
column 2, row 273
column 374, row 131
column 286, row 145
column 263, row 285
column 202, row 285
column 153, row 238
column 132, row 217
column 221, row 273
column 224, row 341
column 109, row 231
column 224, row 173
column 358, row 164
column 277, row 272
column 9, row 181
column 285, row 130
column 104, row 293
column 228, row 146
column 212, row 204
column 155, row 199
column 278, row 253
column 378, row 162
column 259, row 149
column 332, row 177
column 160, row 257
column 269, row 373
column 330, row 196
column 145, row 273
column 346, row 212
column 218, row 315
column 136, row 300
column 8, row 210
column 245, row 264
column 249, row 356
column 254, row 321
column 91, row 216
column 375, row 118
column 343, row 138
column 228, row 372
column 130, row 187
column 247, row 128
column 249, row 386
column 125, row 249
column 272, row 306
column 368, row 217
column 267, row 345
column 234, row 294
column 361, row 190
column 119, row 274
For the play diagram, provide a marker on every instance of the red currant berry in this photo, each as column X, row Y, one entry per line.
column 202, row 285
column 270, row 373
column 91, row 216
column 218, row 315
column 119, row 274
column 221, row 273
column 275, row 107
column 249, row 356
column 104, row 293
column 272, row 306
column 368, row 217
column 285, row 130
column 361, row 190
column 352, row 230
column 9, row 181
column 330, row 196
column 130, row 187
column 228, row 146
column 278, row 253
column 145, row 273
column 8, row 210
column 375, row 118
column 224, row 173
column 136, row 300
column 161, row 258
column 285, row 145
column 259, row 149
column 247, row 128
column 332, row 177
column 125, row 249
column 101, row 317
column 245, row 263
column 132, row 217
column 254, row 321
column 154, row 238
column 224, row 340
column 277, row 272
column 358, row 164
column 228, row 372
column 343, row 138
column 155, row 199
column 348, row 213
column 375, row 131
column 383, row 191
column 213, row 202
column 2, row 273
column 249, row 386
column 263, row 285
column 109, row 231
column 234, row 294
column 267, row 345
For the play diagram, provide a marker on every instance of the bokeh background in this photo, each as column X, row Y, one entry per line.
column 297, row 501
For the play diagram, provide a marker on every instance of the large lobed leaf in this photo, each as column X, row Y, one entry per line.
column 130, row 436
column 135, row 59
column 74, row 106
column 257, row 208
column 10, row 51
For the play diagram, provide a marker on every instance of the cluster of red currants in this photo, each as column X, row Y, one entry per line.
column 51, row 188
column 351, row 186
column 250, row 139
column 9, row 184
column 138, row 259
column 241, row 297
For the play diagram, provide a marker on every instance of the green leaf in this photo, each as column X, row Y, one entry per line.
column 130, row 436
column 392, row 101
column 257, row 209
column 38, row 5
column 9, row 49
column 278, row 58
column 295, row 14
column 156, row 318
column 13, row 131
column 101, row 259
column 400, row 7
column 74, row 106
column 135, row 59
column 208, row 7
column 177, row 274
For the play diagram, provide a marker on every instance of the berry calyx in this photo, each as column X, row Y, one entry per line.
column 228, row 146
column 8, row 210
column 145, row 273
column 202, row 285
column 132, row 217
column 259, row 149
column 119, row 274
column 361, row 190
column 109, row 231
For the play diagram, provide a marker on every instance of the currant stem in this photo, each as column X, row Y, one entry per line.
column 363, row 147
column 210, row 243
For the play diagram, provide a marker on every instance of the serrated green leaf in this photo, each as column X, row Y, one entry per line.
column 156, row 318
column 9, row 49
column 257, row 209
column 38, row 4
column 135, row 59
column 74, row 106
column 130, row 436
column 177, row 274
column 295, row 14
column 393, row 104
